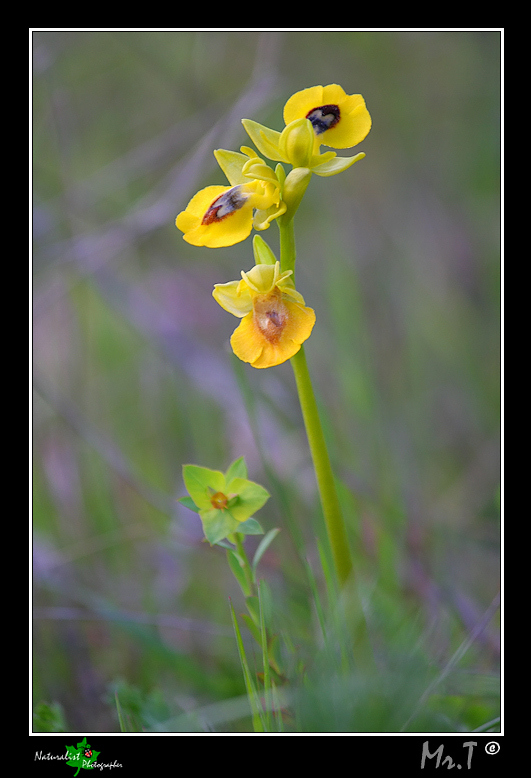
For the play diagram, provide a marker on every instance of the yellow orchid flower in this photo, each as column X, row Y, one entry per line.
column 224, row 215
column 338, row 120
column 275, row 321
column 315, row 116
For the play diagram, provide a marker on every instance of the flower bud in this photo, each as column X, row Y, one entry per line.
column 297, row 142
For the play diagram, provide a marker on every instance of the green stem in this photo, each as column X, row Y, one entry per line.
column 287, row 245
column 238, row 540
column 334, row 521
column 333, row 516
column 335, row 525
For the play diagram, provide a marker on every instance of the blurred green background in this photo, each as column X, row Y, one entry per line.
column 400, row 258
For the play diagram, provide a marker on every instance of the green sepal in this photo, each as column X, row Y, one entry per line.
column 265, row 140
column 232, row 162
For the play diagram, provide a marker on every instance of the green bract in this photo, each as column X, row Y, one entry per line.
column 224, row 501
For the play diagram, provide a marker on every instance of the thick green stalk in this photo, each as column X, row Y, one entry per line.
column 350, row 601
column 333, row 516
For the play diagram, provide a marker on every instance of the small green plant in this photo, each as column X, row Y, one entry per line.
column 225, row 503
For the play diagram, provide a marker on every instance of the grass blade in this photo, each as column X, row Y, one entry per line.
column 254, row 700
column 263, row 546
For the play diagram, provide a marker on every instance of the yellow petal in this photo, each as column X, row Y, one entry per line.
column 352, row 128
column 302, row 102
column 247, row 341
column 333, row 93
column 233, row 298
column 300, row 323
column 186, row 221
column 201, row 201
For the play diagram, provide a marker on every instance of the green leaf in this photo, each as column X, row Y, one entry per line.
column 238, row 469
column 224, row 544
column 254, row 700
column 198, row 480
column 121, row 716
column 217, row 525
column 250, row 527
column 253, row 606
column 263, row 546
column 252, row 497
column 188, row 503
column 265, row 656
column 238, row 572
column 251, row 626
